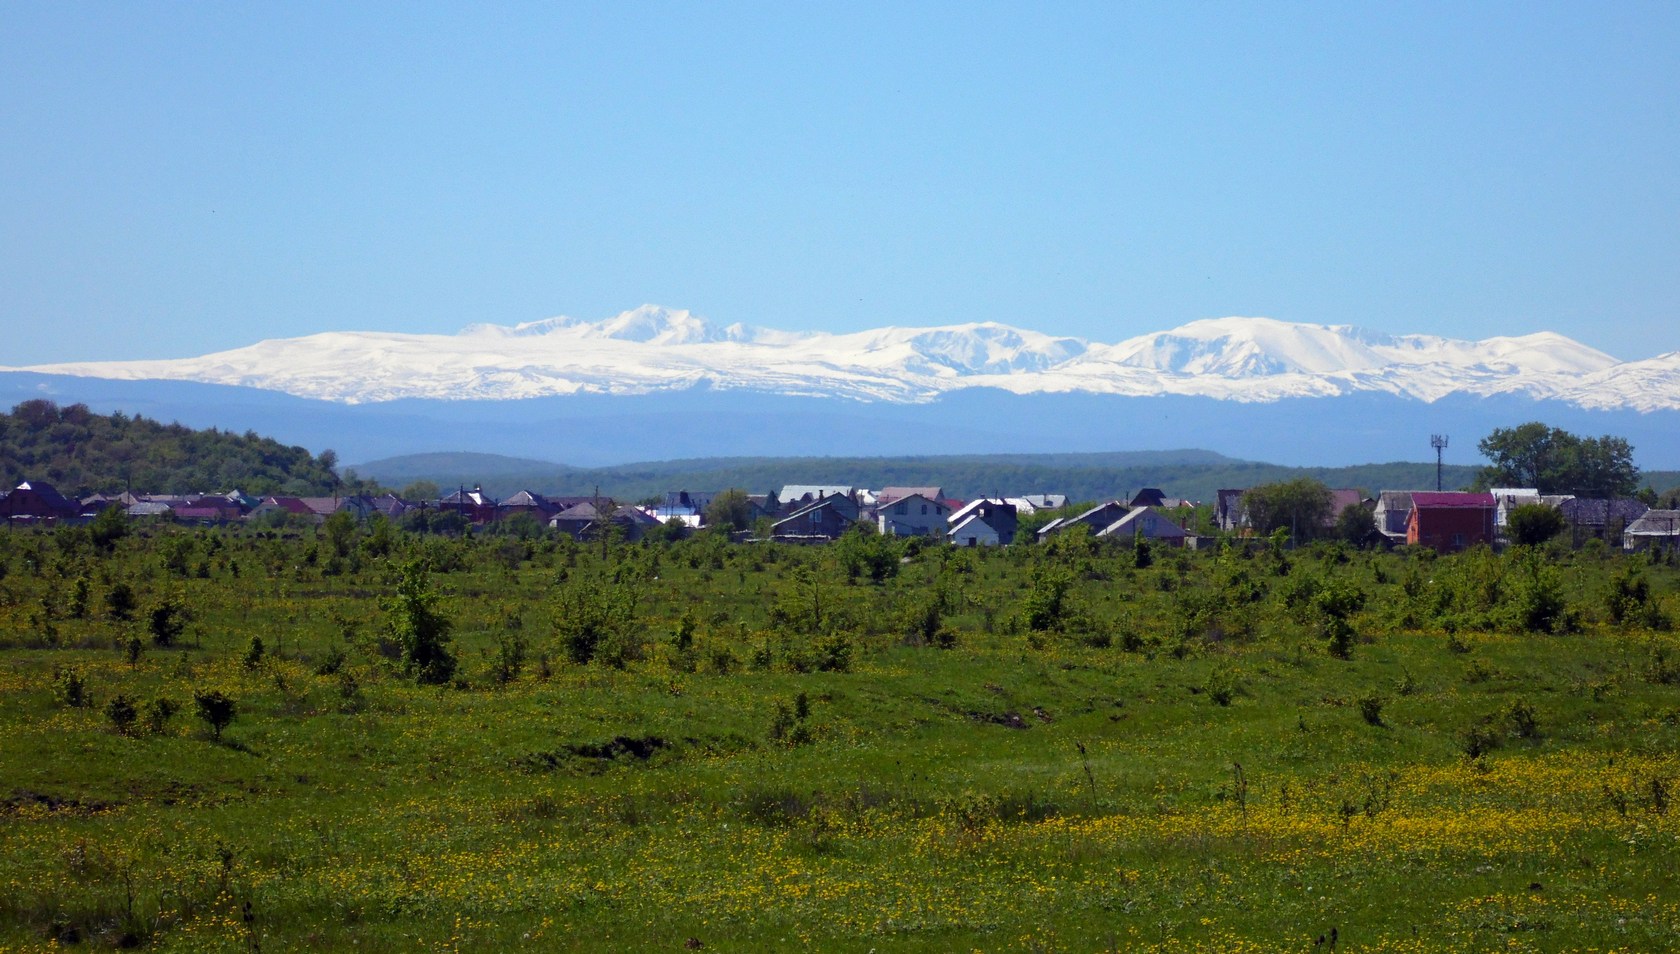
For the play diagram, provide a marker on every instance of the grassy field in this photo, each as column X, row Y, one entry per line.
column 859, row 747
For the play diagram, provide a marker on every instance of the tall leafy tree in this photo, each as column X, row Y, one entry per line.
column 1554, row 461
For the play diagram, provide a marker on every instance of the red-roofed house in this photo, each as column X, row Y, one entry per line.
column 1450, row 522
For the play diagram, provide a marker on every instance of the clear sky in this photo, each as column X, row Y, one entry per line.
column 183, row 178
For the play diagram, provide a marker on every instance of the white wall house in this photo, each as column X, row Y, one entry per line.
column 911, row 516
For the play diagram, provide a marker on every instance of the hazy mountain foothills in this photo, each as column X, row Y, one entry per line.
column 1190, row 474
column 652, row 349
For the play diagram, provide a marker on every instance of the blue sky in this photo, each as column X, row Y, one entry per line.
column 182, row 178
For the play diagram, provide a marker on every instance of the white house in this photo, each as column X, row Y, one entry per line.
column 911, row 516
column 984, row 523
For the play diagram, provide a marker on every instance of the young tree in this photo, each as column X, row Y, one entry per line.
column 419, row 628
column 1533, row 524
column 216, row 709
column 1356, row 525
column 730, row 510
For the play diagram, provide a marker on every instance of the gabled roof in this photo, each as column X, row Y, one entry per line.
column 1659, row 523
column 894, row 494
column 1038, row 501
column 1145, row 521
column 794, row 492
column 990, row 505
column 1450, row 500
column 843, row 506
column 1590, row 510
column 467, row 498
column 1149, row 497
column 46, row 493
column 1343, row 498
column 288, row 504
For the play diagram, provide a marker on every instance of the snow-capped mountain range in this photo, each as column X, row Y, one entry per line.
column 652, row 349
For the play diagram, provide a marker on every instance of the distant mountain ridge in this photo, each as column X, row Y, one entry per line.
column 656, row 350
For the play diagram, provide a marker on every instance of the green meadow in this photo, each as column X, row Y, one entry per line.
column 360, row 739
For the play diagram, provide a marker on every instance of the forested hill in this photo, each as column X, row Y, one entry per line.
column 81, row 452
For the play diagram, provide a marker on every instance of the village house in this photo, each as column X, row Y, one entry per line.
column 984, row 523
column 1147, row 523
column 796, row 497
column 37, row 501
column 1228, row 512
column 684, row 506
column 824, row 519
column 525, row 503
column 475, row 505
column 911, row 515
column 1095, row 519
column 587, row 521
column 1592, row 518
column 1653, row 529
column 1451, row 521
column 1033, row 503
column 208, row 510
column 1393, row 513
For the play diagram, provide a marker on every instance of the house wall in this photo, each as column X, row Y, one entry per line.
column 975, row 533
column 1450, row 529
column 912, row 516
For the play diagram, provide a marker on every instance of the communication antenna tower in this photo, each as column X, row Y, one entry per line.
column 1439, row 442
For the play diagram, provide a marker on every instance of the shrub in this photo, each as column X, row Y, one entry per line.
column 597, row 622
column 120, row 602
column 122, row 714
column 1371, row 709
column 1524, row 723
column 1533, row 524
column 1479, row 739
column 167, row 621
column 1221, row 687
column 254, row 655
column 158, row 714
column 70, row 687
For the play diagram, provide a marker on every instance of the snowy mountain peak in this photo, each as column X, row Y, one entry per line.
column 652, row 348
column 649, row 324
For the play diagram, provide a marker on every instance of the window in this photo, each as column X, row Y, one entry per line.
column 902, row 509
column 924, row 510
column 1458, row 540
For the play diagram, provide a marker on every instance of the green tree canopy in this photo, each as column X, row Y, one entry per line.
column 730, row 510
column 1533, row 524
column 1554, row 461
column 1300, row 506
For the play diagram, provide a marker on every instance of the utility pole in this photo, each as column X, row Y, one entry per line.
column 1439, row 442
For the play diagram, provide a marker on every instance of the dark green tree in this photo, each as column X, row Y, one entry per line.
column 1300, row 506
column 216, row 709
column 730, row 510
column 1356, row 525
column 1554, row 461
column 1533, row 524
